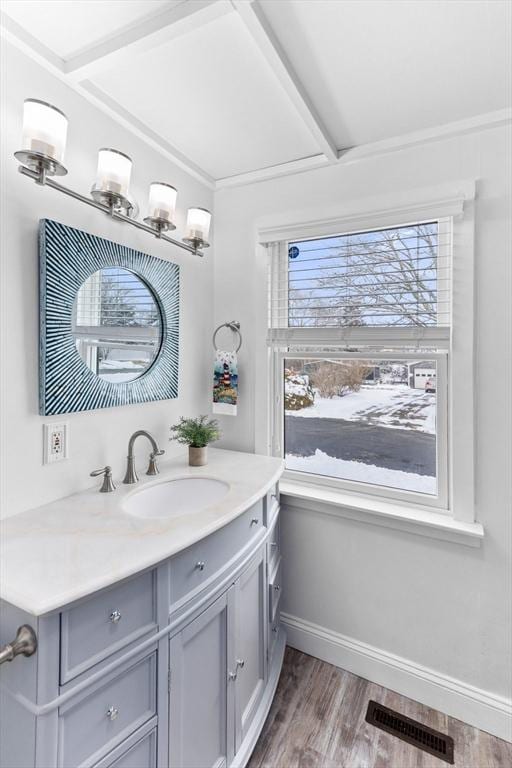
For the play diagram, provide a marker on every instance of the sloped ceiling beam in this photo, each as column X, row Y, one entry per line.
column 15, row 34
column 150, row 33
column 261, row 32
column 488, row 120
column 273, row 172
column 144, row 36
column 110, row 106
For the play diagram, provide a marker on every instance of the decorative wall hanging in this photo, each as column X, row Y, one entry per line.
column 225, row 373
column 109, row 323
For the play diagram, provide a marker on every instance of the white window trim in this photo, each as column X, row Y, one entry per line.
column 457, row 201
column 407, row 518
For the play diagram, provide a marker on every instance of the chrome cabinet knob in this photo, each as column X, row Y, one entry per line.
column 115, row 617
column 274, row 629
column 240, row 663
column 273, row 543
column 232, row 675
column 277, row 587
column 200, row 565
column 112, row 713
column 254, row 521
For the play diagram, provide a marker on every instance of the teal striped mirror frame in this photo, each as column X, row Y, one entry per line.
column 68, row 258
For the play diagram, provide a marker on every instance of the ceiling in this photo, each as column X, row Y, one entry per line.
column 235, row 90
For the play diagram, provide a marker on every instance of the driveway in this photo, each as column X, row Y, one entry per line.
column 401, row 449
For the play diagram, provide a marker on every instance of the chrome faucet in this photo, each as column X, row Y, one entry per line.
column 131, row 475
column 108, row 484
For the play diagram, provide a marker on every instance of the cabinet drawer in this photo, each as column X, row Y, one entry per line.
column 274, row 545
column 136, row 753
column 104, row 717
column 191, row 568
column 104, row 623
column 274, row 589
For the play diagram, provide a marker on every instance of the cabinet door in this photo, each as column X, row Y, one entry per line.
column 200, row 731
column 250, row 645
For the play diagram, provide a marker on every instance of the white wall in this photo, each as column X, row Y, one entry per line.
column 99, row 437
column 441, row 605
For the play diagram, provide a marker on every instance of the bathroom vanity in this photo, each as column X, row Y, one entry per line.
column 157, row 620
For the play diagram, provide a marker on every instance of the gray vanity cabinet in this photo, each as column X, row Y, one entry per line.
column 173, row 667
column 200, row 732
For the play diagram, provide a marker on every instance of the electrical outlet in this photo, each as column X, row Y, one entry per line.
column 56, row 442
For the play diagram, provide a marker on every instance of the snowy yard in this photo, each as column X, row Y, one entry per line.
column 384, row 434
column 322, row 464
column 387, row 405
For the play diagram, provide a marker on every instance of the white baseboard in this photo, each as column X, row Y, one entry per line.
column 472, row 705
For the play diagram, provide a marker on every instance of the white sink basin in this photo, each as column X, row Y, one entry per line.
column 176, row 497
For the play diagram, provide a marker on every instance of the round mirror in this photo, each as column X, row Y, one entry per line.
column 117, row 324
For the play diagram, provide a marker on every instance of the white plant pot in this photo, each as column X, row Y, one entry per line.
column 197, row 457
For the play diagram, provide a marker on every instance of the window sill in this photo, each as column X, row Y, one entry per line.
column 376, row 512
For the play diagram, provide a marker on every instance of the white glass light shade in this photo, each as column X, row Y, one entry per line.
column 198, row 224
column 44, row 129
column 162, row 202
column 114, row 170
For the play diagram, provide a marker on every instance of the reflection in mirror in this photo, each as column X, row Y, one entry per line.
column 117, row 324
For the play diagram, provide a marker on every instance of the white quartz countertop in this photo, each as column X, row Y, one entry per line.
column 58, row 553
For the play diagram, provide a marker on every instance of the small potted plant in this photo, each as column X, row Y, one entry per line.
column 196, row 433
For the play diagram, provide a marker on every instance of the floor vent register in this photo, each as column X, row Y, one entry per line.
column 411, row 731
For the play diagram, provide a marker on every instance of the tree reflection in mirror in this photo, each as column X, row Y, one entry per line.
column 117, row 325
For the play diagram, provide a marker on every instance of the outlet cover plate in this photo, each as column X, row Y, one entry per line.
column 56, row 441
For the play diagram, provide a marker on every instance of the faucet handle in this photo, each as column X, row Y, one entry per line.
column 108, row 484
column 152, row 467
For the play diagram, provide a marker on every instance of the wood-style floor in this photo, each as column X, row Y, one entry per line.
column 317, row 720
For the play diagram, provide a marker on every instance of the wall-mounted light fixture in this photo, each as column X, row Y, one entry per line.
column 162, row 205
column 198, row 227
column 44, row 137
column 113, row 180
column 42, row 157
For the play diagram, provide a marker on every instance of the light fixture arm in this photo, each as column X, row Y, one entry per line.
column 40, row 177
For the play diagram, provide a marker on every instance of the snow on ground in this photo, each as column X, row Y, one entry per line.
column 394, row 406
column 119, row 378
column 322, row 464
column 118, row 371
column 125, row 365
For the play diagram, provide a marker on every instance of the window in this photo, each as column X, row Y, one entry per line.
column 116, row 325
column 360, row 334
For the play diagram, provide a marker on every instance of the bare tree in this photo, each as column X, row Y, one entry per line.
column 387, row 277
column 117, row 307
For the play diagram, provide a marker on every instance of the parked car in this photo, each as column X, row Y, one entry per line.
column 430, row 386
